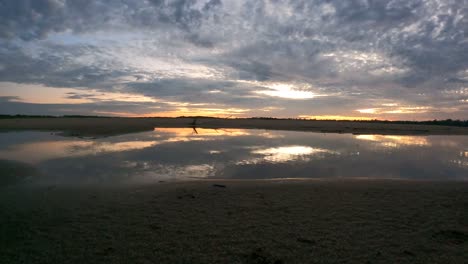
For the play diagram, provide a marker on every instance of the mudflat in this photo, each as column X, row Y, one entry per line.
column 303, row 221
column 110, row 126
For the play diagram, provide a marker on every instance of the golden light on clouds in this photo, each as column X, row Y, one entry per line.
column 39, row 94
column 336, row 117
column 120, row 97
column 408, row 110
column 210, row 112
column 28, row 93
column 395, row 109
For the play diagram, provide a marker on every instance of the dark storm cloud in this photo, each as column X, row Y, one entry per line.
column 406, row 51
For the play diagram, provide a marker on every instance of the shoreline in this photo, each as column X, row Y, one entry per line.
column 243, row 222
column 115, row 126
column 235, row 181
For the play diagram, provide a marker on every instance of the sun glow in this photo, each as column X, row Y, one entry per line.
column 336, row 117
column 395, row 109
column 297, row 91
column 211, row 112
column 367, row 111
column 287, row 91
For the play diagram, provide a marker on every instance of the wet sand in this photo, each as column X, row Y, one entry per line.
column 313, row 221
column 111, row 126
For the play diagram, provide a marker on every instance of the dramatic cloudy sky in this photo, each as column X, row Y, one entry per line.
column 395, row 59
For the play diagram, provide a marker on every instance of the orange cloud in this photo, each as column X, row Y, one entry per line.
column 335, row 117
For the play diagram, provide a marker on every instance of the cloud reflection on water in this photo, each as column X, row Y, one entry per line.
column 182, row 153
column 284, row 154
column 396, row 141
column 42, row 151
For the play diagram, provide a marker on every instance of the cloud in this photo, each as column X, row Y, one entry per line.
column 363, row 52
column 6, row 99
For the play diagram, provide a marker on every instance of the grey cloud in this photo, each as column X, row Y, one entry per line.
column 73, row 95
column 252, row 70
column 99, row 108
column 31, row 19
column 5, row 99
column 278, row 41
column 55, row 67
column 35, row 19
column 199, row 41
column 375, row 10
column 226, row 93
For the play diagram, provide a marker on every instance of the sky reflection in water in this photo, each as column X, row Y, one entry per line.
column 183, row 153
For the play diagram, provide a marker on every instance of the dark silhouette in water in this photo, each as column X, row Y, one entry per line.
column 194, row 125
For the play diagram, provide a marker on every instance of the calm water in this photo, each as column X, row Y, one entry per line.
column 182, row 153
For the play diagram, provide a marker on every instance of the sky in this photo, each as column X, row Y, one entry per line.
column 353, row 59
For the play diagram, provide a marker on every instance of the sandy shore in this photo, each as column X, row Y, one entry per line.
column 358, row 221
column 110, row 126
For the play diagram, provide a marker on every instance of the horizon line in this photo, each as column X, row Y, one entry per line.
column 4, row 116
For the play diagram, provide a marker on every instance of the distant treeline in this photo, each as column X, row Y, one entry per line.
column 446, row 122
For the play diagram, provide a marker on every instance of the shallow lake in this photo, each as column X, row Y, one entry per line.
column 167, row 154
